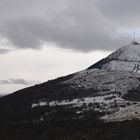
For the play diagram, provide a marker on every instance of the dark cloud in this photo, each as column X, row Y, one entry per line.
column 76, row 24
column 18, row 82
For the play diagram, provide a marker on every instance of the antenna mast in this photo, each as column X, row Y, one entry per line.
column 134, row 40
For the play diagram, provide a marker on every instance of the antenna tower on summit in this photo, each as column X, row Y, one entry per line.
column 134, row 40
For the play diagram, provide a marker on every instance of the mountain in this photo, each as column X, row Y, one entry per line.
column 101, row 102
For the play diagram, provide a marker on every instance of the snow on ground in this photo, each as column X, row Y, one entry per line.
column 129, row 52
column 122, row 66
column 116, row 108
column 106, row 99
column 105, row 103
column 126, row 58
column 106, row 81
column 126, row 113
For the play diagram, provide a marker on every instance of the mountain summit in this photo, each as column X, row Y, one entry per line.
column 126, row 58
column 100, row 103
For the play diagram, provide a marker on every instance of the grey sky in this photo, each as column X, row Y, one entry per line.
column 83, row 25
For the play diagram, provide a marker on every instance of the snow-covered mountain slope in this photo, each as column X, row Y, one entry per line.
column 105, row 82
column 127, row 53
column 126, row 58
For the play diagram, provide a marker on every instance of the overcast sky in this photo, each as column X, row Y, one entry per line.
column 44, row 39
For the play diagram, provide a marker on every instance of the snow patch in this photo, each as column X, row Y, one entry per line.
column 106, row 99
column 127, row 113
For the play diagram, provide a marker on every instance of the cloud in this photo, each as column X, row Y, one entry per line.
column 3, row 51
column 18, row 82
column 124, row 12
column 81, row 25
